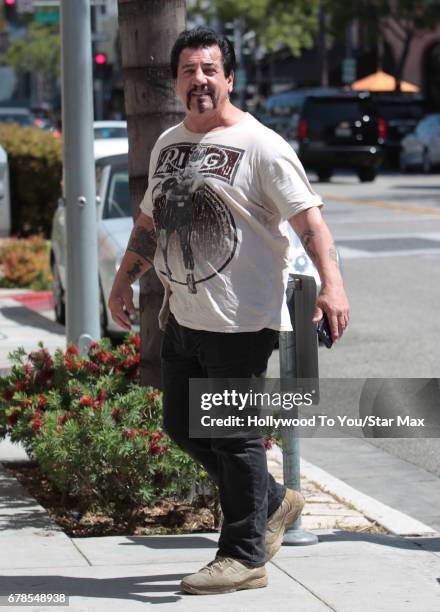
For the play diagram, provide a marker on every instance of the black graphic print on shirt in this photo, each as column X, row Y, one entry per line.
column 197, row 236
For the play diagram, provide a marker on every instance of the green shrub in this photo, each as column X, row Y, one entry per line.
column 94, row 430
column 24, row 262
column 35, row 169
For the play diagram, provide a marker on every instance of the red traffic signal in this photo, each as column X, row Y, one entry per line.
column 100, row 59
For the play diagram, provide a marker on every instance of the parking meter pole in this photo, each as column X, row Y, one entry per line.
column 295, row 535
column 82, row 284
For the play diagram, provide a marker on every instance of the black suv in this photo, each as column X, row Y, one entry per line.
column 401, row 113
column 341, row 131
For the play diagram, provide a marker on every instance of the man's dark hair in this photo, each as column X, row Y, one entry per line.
column 203, row 37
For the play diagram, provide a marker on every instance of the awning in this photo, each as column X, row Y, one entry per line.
column 381, row 81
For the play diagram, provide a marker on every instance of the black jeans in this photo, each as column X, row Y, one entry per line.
column 248, row 493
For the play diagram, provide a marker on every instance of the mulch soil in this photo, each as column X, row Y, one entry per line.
column 168, row 516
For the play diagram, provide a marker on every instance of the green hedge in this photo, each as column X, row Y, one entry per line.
column 35, row 169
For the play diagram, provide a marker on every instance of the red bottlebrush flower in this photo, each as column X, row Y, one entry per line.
column 65, row 417
column 154, row 448
column 72, row 350
column 37, row 424
column 157, row 435
column 20, row 385
column 152, row 395
column 157, row 449
column 143, row 432
column 93, row 345
column 28, row 368
column 8, row 394
column 131, row 433
column 136, row 340
column 93, row 367
column 101, row 396
column 267, row 443
column 27, row 403
column 116, row 414
column 42, row 400
column 104, row 356
column 86, row 400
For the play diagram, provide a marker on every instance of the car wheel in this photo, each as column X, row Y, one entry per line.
column 58, row 295
column 426, row 163
column 366, row 175
column 324, row 174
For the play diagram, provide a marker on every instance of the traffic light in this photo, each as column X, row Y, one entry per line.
column 100, row 59
column 10, row 10
column 101, row 66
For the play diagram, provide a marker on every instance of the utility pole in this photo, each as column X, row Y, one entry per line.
column 147, row 32
column 82, row 303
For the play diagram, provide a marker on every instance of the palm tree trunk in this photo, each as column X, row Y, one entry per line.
column 147, row 31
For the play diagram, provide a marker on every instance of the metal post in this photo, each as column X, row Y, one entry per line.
column 82, row 291
column 288, row 341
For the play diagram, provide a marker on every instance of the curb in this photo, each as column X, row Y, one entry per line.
column 34, row 300
column 393, row 520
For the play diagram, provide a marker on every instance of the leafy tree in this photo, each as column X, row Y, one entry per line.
column 405, row 19
column 293, row 23
column 38, row 52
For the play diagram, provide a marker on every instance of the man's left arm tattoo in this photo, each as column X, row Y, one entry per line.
column 306, row 239
column 333, row 255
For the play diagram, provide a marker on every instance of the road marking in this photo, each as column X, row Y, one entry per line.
column 381, row 204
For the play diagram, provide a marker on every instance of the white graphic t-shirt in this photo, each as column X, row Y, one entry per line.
column 220, row 202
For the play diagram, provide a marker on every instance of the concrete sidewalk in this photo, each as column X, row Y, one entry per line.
column 347, row 571
column 26, row 317
column 351, row 569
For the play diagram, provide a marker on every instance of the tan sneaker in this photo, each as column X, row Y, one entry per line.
column 281, row 519
column 224, row 575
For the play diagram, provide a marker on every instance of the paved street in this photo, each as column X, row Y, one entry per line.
column 388, row 234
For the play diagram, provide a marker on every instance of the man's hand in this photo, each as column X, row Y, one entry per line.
column 120, row 303
column 333, row 301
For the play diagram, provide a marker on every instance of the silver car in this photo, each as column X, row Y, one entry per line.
column 421, row 148
column 115, row 223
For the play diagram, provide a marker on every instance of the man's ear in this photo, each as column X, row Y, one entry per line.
column 230, row 80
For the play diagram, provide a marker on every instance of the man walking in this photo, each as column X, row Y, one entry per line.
column 221, row 319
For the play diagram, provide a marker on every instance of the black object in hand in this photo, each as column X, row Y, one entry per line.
column 324, row 333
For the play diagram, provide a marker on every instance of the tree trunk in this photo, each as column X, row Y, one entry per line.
column 402, row 59
column 148, row 29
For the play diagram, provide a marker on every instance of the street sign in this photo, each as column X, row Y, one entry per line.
column 25, row 6
column 50, row 15
column 348, row 70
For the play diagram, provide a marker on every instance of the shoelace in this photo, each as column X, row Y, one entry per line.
column 217, row 562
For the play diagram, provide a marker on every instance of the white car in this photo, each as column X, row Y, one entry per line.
column 421, row 148
column 110, row 138
column 115, row 223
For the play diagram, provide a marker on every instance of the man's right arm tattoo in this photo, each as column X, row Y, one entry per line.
column 143, row 243
column 135, row 270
